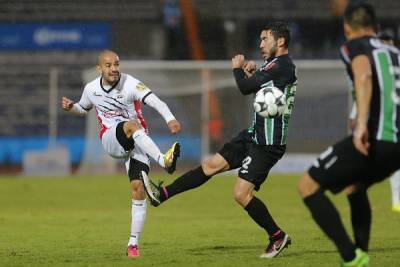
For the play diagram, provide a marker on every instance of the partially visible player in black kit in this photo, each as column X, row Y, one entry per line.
column 256, row 149
column 372, row 152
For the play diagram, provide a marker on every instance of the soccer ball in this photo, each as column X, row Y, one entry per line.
column 269, row 102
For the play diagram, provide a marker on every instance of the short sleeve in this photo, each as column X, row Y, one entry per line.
column 355, row 48
column 85, row 102
column 139, row 89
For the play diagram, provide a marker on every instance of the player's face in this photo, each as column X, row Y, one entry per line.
column 268, row 45
column 109, row 68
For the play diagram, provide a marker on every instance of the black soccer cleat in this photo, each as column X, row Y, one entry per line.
column 276, row 246
column 152, row 190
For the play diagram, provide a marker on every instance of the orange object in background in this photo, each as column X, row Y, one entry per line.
column 215, row 123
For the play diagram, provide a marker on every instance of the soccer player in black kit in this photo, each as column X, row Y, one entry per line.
column 256, row 149
column 372, row 152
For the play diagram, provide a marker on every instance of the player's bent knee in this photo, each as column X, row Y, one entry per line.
column 307, row 186
column 209, row 168
column 214, row 165
column 130, row 127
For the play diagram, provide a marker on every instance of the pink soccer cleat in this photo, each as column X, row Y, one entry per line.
column 132, row 251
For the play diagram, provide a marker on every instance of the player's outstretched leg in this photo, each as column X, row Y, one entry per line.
column 171, row 157
column 158, row 194
column 145, row 143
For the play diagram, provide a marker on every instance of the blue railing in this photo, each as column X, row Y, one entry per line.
column 12, row 149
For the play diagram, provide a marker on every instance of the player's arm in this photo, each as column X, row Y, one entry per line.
column 247, row 85
column 250, row 68
column 362, row 73
column 251, row 84
column 153, row 101
column 81, row 108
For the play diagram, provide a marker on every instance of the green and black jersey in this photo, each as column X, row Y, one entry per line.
column 383, row 121
column 279, row 72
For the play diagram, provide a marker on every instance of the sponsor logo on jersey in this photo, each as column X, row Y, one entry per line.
column 97, row 94
column 268, row 65
column 115, row 113
column 141, row 87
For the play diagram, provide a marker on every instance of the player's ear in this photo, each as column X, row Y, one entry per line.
column 98, row 68
column 346, row 29
column 281, row 42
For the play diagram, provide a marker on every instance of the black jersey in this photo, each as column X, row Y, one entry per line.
column 279, row 72
column 383, row 121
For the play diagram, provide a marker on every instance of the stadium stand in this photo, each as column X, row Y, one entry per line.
column 57, row 10
column 31, row 91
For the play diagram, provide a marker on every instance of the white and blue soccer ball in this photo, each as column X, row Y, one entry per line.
column 270, row 102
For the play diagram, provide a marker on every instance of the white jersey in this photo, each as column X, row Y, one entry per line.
column 121, row 102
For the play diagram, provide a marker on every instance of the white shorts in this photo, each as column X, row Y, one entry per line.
column 115, row 150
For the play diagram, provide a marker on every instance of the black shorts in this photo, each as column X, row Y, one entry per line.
column 135, row 167
column 342, row 165
column 255, row 161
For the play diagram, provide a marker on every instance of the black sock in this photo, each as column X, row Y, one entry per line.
column 360, row 218
column 187, row 181
column 259, row 213
column 328, row 219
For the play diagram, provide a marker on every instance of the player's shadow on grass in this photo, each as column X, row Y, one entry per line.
column 290, row 252
column 295, row 253
column 222, row 249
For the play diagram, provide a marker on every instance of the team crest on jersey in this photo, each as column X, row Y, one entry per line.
column 141, row 87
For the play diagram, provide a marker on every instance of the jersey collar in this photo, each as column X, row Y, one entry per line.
column 112, row 87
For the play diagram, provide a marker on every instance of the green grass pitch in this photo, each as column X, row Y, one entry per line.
column 85, row 221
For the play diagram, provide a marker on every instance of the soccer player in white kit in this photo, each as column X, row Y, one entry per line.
column 117, row 99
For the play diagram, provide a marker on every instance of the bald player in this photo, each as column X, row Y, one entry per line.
column 117, row 98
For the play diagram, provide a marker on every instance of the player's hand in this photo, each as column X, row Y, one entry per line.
column 66, row 103
column 238, row 62
column 360, row 138
column 250, row 68
column 174, row 126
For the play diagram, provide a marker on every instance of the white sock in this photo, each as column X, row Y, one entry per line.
column 395, row 187
column 139, row 208
column 147, row 145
